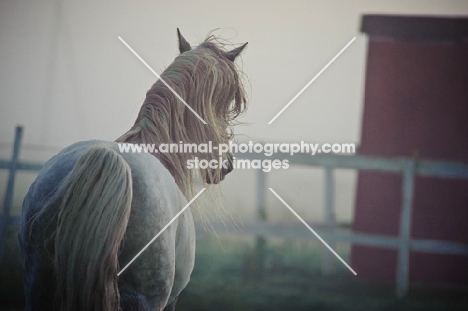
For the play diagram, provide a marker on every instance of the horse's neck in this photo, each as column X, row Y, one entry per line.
column 144, row 131
column 147, row 132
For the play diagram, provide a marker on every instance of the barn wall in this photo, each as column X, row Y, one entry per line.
column 416, row 105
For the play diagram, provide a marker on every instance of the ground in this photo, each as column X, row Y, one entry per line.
column 228, row 276
column 257, row 274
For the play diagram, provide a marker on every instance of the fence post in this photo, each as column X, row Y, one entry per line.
column 261, row 190
column 328, row 260
column 402, row 277
column 5, row 215
column 260, row 240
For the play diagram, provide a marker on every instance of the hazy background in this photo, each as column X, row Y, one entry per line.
column 66, row 77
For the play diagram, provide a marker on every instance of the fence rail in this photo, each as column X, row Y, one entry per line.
column 408, row 167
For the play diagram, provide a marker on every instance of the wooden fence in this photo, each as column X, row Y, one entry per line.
column 329, row 231
column 13, row 165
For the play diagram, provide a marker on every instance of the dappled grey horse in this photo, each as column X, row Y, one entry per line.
column 93, row 208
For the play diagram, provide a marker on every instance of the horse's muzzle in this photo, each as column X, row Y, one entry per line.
column 224, row 171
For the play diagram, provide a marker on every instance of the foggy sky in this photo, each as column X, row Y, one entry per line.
column 66, row 77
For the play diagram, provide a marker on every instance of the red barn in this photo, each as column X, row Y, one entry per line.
column 416, row 105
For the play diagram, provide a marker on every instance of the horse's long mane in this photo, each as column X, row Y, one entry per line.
column 210, row 83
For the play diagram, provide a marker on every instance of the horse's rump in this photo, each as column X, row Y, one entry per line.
column 84, row 223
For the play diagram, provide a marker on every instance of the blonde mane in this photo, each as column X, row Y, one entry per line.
column 210, row 83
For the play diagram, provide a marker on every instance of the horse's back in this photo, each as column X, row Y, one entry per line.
column 159, row 274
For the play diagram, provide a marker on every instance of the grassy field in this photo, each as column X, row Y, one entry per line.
column 11, row 290
column 254, row 274
column 228, row 276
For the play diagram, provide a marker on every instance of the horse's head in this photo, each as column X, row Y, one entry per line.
column 207, row 80
column 218, row 77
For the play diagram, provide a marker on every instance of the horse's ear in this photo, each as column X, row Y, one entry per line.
column 231, row 55
column 184, row 46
